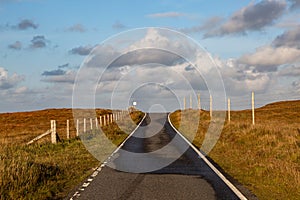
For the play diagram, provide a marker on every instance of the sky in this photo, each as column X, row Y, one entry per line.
column 46, row 44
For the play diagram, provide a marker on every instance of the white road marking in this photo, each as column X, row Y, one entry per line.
column 224, row 179
column 85, row 185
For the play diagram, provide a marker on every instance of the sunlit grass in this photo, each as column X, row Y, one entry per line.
column 264, row 157
column 44, row 170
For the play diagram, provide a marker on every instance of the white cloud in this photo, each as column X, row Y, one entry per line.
column 254, row 17
column 143, row 65
column 268, row 58
column 6, row 81
column 38, row 41
column 26, row 24
column 208, row 25
column 65, row 77
column 21, row 90
column 290, row 38
column 81, row 50
column 290, row 70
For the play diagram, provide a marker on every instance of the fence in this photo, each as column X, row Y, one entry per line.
column 204, row 102
column 103, row 120
column 211, row 106
column 250, row 102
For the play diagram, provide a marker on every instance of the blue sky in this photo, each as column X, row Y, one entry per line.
column 43, row 43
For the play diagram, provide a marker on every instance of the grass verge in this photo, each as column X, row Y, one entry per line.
column 47, row 171
column 266, row 157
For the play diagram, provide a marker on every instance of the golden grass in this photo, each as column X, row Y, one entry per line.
column 21, row 127
column 44, row 170
column 264, row 157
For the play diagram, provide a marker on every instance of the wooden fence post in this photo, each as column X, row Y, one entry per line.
column 68, row 130
column 199, row 102
column 91, row 123
column 77, row 127
column 53, row 132
column 253, row 109
column 104, row 120
column 228, row 109
column 100, row 119
column 84, row 125
column 96, row 122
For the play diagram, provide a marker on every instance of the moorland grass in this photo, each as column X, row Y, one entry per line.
column 44, row 170
column 265, row 157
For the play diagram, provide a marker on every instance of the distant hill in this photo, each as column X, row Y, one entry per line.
column 282, row 105
column 20, row 127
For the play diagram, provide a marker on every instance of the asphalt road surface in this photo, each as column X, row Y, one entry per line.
column 177, row 172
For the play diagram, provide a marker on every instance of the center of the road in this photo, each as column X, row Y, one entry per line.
column 139, row 155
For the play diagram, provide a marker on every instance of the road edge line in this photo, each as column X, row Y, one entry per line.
column 221, row 176
column 91, row 177
column 119, row 147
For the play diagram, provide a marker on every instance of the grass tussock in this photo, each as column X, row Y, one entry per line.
column 264, row 157
column 44, row 170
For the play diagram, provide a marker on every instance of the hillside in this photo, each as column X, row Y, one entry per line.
column 264, row 157
column 21, row 127
column 42, row 170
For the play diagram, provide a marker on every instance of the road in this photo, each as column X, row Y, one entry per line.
column 145, row 172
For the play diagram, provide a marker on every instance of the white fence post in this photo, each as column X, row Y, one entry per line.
column 53, row 132
column 100, row 119
column 96, row 122
column 84, row 125
column 68, row 130
column 77, row 127
column 104, row 120
column 199, row 102
column 253, row 109
column 91, row 123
